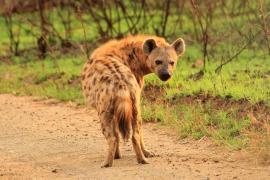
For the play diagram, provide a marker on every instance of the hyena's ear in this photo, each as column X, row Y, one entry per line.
column 179, row 46
column 149, row 45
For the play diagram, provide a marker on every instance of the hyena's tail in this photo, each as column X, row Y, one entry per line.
column 124, row 115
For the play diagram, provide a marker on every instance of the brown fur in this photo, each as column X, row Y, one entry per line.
column 124, row 116
column 112, row 81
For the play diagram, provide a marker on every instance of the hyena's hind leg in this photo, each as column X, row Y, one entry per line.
column 108, row 130
column 117, row 154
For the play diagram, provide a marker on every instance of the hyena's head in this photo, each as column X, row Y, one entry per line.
column 162, row 59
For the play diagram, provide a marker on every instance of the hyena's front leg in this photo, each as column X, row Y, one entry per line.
column 146, row 152
column 137, row 145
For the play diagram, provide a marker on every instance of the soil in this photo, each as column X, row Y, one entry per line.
column 45, row 139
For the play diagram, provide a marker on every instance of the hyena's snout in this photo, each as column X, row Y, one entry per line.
column 164, row 75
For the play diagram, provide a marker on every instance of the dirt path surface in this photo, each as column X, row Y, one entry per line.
column 48, row 140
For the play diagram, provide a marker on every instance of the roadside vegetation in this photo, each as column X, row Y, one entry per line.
column 220, row 90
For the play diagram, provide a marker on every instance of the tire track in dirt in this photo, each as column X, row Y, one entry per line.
column 42, row 139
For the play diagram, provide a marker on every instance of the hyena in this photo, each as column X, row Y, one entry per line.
column 112, row 81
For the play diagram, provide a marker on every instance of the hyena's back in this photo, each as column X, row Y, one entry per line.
column 112, row 89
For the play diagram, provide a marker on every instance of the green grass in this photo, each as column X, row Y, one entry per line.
column 223, row 127
column 44, row 78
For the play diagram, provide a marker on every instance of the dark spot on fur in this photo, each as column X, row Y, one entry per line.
column 90, row 61
column 123, row 78
column 116, row 76
column 90, row 73
column 130, row 58
column 116, row 66
column 120, row 87
column 104, row 78
column 134, row 108
column 83, row 77
column 111, row 68
column 110, row 55
column 99, row 61
column 109, row 81
column 94, row 80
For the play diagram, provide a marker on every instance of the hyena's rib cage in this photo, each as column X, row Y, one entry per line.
column 112, row 81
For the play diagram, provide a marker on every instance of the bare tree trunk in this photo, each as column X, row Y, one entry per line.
column 14, row 38
column 263, row 22
column 42, row 41
column 166, row 16
column 203, row 30
column 9, row 25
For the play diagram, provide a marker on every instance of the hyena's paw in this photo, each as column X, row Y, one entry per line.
column 106, row 164
column 143, row 161
column 149, row 154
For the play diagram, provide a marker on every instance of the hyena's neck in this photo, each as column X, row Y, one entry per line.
column 137, row 64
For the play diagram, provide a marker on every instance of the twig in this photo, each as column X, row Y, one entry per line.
column 84, row 32
column 219, row 68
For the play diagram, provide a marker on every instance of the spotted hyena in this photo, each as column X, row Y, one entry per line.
column 112, row 81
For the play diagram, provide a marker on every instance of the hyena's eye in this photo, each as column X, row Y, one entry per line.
column 172, row 63
column 158, row 62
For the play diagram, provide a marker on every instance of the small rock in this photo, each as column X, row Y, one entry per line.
column 185, row 159
column 54, row 171
column 204, row 160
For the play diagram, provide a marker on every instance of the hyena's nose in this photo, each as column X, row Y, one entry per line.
column 164, row 76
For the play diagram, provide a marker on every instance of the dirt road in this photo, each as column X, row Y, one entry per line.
column 48, row 140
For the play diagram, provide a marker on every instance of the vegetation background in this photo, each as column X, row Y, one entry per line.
column 221, row 89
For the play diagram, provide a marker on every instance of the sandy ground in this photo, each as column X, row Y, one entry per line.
column 47, row 140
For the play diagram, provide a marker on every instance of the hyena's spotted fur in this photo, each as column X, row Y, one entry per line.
column 112, row 81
